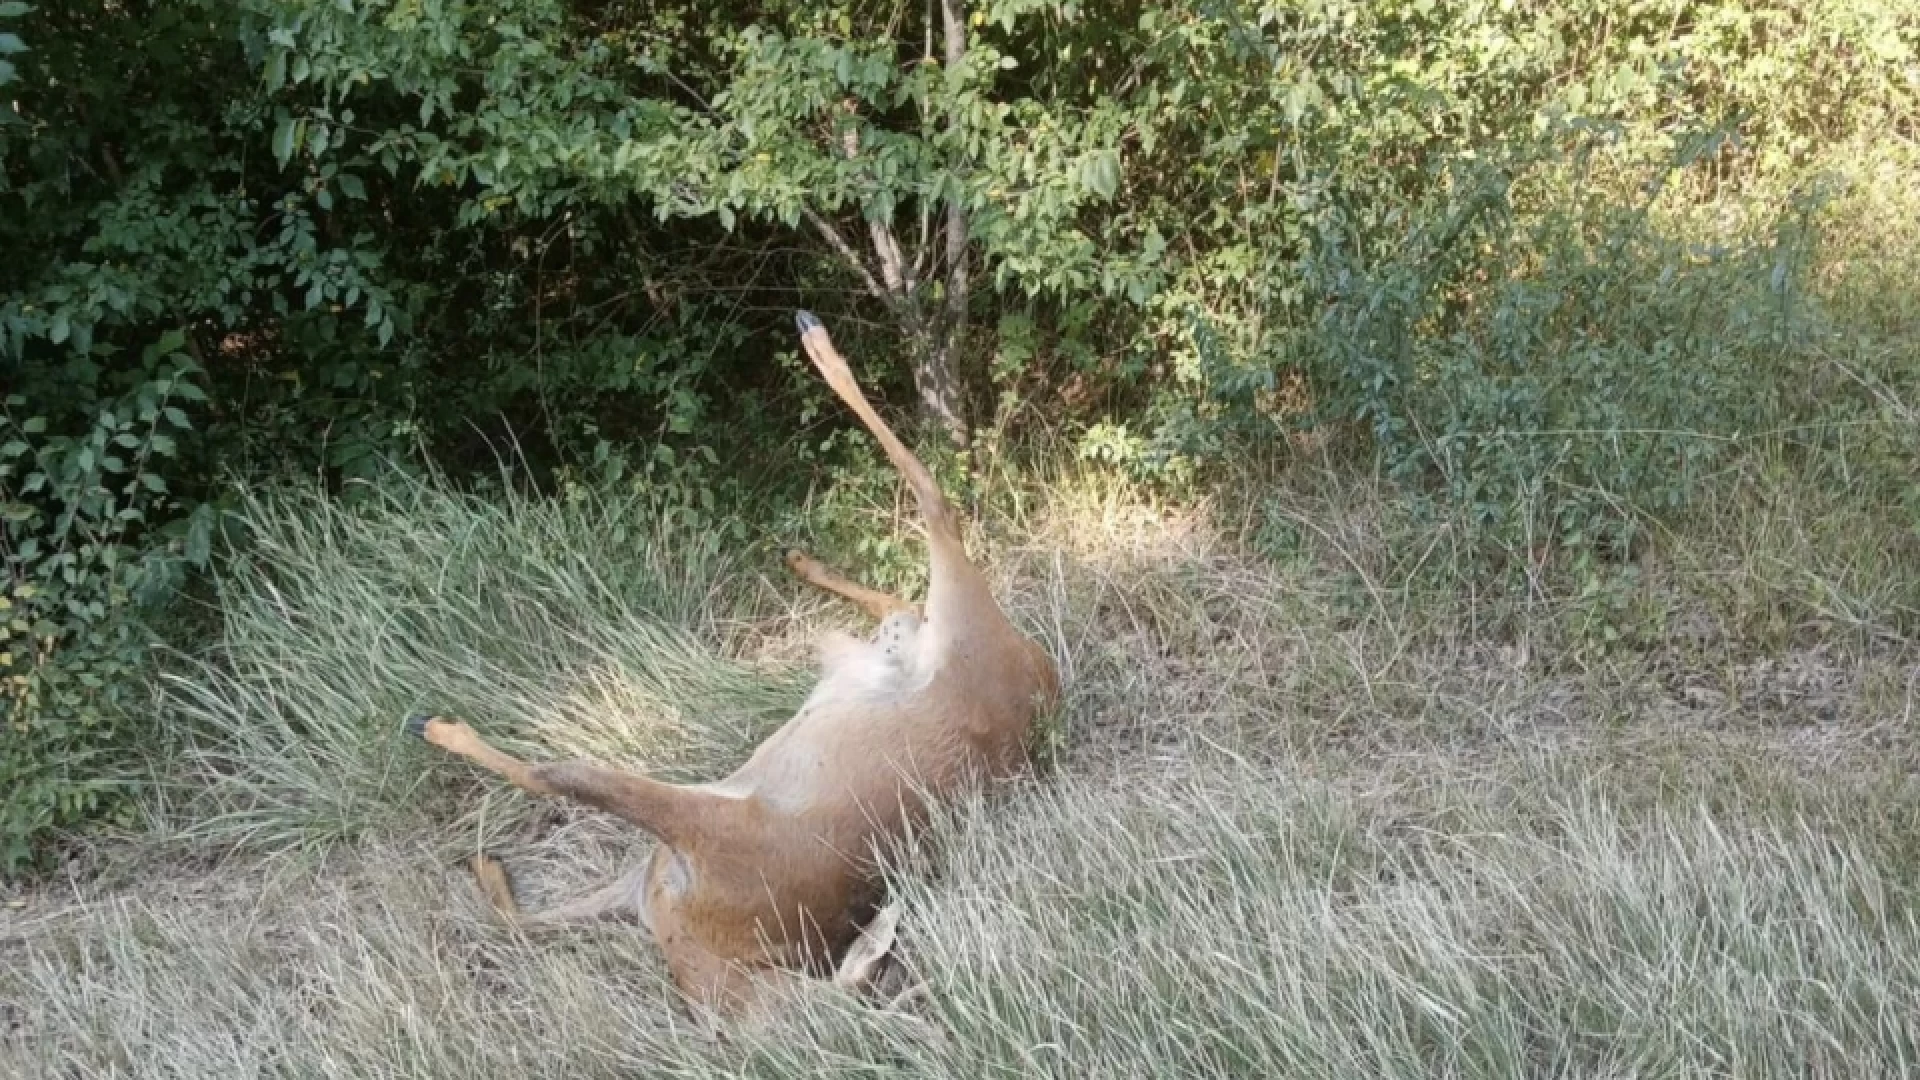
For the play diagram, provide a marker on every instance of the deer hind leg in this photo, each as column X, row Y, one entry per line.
column 622, row 898
column 875, row 603
column 683, row 818
column 954, row 586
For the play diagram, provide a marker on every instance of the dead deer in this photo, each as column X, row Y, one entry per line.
column 772, row 870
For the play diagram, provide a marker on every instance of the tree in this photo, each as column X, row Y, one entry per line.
column 831, row 122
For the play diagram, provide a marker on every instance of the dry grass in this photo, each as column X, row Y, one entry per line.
column 1197, row 925
column 1311, row 810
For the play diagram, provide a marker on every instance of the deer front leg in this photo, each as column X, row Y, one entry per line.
column 872, row 601
column 455, row 737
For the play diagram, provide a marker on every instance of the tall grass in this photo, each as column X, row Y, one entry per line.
column 586, row 627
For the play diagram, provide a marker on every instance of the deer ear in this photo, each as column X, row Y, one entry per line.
column 807, row 321
column 866, row 958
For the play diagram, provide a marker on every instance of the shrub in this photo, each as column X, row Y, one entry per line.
column 93, row 540
column 1560, row 379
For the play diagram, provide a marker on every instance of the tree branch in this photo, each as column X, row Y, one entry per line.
column 839, row 244
column 925, row 247
column 894, row 269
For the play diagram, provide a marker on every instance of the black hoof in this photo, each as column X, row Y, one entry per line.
column 416, row 725
column 807, row 321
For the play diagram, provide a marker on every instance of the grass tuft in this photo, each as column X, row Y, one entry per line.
column 581, row 627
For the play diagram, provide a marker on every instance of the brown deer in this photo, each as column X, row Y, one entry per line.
column 772, row 869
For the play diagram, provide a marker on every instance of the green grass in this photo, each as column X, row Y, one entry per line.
column 1215, row 925
column 582, row 626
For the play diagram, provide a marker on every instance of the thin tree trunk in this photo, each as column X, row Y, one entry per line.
column 935, row 378
column 936, row 371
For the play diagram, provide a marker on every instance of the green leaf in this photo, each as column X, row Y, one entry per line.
column 1101, row 174
column 59, row 330
column 176, row 417
column 283, row 140
column 10, row 44
column 200, row 536
column 351, row 187
column 171, row 342
column 34, row 425
column 13, row 9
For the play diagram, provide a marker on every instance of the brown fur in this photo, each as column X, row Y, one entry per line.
column 771, row 869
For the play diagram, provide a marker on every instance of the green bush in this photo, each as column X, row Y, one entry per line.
column 92, row 541
column 1550, row 261
column 1569, row 375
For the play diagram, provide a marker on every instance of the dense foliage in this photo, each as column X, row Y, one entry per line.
column 246, row 237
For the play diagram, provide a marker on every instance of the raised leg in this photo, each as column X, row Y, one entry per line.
column 954, row 586
column 684, row 818
column 833, row 367
column 872, row 601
